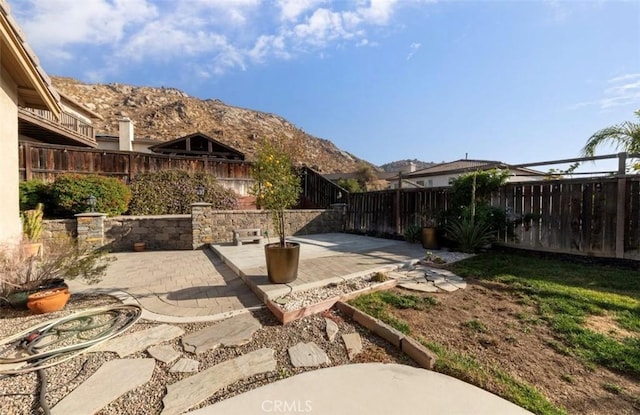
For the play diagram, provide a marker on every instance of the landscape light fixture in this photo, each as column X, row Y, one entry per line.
column 91, row 201
column 200, row 192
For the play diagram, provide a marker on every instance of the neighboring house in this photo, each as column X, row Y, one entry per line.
column 441, row 175
column 199, row 145
column 23, row 83
column 196, row 144
column 73, row 127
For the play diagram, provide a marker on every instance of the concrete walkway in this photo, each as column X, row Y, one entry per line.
column 370, row 388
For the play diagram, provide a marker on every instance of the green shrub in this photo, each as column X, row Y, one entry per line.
column 351, row 185
column 413, row 233
column 173, row 191
column 470, row 235
column 69, row 194
column 33, row 192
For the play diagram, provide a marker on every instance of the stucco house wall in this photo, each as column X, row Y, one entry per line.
column 10, row 227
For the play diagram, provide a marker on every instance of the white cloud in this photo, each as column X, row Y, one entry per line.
column 290, row 10
column 622, row 90
column 208, row 36
column 55, row 24
column 413, row 48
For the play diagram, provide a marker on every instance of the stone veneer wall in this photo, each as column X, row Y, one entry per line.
column 186, row 232
column 217, row 226
column 164, row 232
column 55, row 229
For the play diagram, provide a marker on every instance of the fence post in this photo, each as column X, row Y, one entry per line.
column 26, row 148
column 620, row 205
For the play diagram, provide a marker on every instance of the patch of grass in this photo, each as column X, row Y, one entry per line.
column 375, row 305
column 565, row 294
column 475, row 325
column 468, row 369
column 612, row 388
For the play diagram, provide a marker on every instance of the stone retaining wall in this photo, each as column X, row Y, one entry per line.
column 185, row 232
column 163, row 232
column 217, row 226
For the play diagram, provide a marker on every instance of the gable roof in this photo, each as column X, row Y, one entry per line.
column 198, row 144
column 34, row 86
column 466, row 165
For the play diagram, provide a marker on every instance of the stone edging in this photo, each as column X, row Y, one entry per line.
column 411, row 347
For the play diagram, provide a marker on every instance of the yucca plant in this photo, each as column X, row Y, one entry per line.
column 32, row 223
column 471, row 235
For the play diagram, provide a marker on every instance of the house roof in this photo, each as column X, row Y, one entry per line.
column 198, row 144
column 464, row 166
column 34, row 86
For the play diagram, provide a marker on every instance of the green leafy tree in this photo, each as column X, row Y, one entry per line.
column 351, row 185
column 276, row 184
column 625, row 137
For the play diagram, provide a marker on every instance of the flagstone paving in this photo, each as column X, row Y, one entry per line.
column 164, row 354
column 307, row 355
column 235, row 331
column 332, row 329
column 189, row 392
column 185, row 365
column 353, row 344
column 113, row 379
column 131, row 343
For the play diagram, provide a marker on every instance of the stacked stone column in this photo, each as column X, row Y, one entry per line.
column 90, row 227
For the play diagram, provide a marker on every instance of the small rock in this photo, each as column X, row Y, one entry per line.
column 353, row 344
column 332, row 329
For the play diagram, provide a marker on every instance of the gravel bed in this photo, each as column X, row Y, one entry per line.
column 18, row 394
column 300, row 299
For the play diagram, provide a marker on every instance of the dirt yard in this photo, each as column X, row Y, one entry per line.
column 491, row 322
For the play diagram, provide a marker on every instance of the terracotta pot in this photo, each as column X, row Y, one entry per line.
column 429, row 238
column 282, row 262
column 30, row 250
column 139, row 246
column 49, row 300
column 18, row 299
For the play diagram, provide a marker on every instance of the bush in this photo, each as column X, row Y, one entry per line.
column 33, row 192
column 351, row 185
column 413, row 233
column 173, row 191
column 470, row 235
column 69, row 194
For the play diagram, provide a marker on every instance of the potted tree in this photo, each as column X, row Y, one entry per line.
column 32, row 231
column 277, row 188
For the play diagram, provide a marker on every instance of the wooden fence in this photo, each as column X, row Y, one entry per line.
column 46, row 162
column 594, row 216
column 318, row 192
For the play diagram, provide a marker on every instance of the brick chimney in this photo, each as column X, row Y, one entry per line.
column 125, row 136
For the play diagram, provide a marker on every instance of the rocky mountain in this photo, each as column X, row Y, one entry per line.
column 403, row 165
column 166, row 113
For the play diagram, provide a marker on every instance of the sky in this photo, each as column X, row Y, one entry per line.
column 515, row 81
